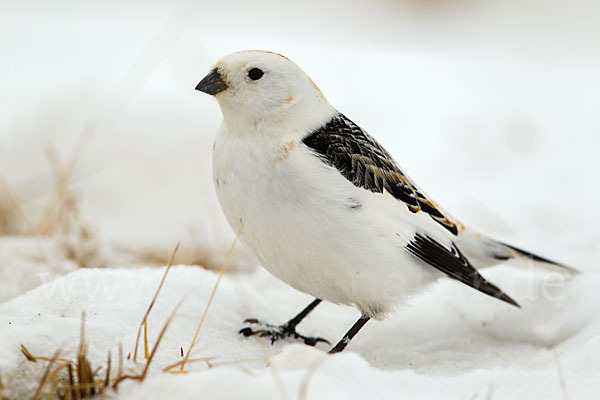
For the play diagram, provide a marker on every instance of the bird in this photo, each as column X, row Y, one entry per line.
column 325, row 208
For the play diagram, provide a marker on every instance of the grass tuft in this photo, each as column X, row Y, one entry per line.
column 81, row 379
column 64, row 378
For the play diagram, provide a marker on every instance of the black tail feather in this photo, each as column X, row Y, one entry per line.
column 537, row 258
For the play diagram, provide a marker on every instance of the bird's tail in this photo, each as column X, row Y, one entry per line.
column 486, row 252
column 538, row 261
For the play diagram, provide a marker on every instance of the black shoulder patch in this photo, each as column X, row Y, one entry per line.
column 359, row 158
column 453, row 263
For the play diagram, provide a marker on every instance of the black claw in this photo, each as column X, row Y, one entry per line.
column 312, row 341
column 251, row 321
column 246, row 332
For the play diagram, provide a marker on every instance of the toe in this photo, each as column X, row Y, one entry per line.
column 246, row 332
column 319, row 339
column 312, row 341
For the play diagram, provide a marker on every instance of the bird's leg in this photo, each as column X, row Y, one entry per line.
column 350, row 334
column 286, row 330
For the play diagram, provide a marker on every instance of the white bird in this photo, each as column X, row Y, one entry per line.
column 323, row 206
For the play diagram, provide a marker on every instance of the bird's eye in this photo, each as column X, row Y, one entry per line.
column 255, row 74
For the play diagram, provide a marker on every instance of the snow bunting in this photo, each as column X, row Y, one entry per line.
column 324, row 207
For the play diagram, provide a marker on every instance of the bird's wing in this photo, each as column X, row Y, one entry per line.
column 364, row 162
column 453, row 263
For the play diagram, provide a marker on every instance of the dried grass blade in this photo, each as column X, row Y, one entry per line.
column 162, row 281
column 27, row 354
column 44, row 378
column 212, row 295
column 74, row 393
column 158, row 340
column 107, row 379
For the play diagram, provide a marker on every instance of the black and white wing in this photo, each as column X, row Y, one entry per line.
column 360, row 159
column 453, row 263
column 364, row 162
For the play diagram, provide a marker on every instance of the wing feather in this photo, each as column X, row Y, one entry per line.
column 453, row 263
column 359, row 158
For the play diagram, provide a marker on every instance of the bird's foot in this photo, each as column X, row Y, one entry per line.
column 277, row 332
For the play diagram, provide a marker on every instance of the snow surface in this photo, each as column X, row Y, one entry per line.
column 492, row 107
column 449, row 343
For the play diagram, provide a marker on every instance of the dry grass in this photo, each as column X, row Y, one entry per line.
column 70, row 379
column 144, row 322
column 212, row 295
column 12, row 219
column 62, row 209
column 77, row 379
column 65, row 378
column 141, row 376
column 61, row 215
column 196, row 254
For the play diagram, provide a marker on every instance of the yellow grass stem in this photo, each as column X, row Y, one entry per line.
column 162, row 281
column 212, row 295
column 146, row 355
column 44, row 378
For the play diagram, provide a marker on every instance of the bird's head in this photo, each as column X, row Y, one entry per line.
column 258, row 88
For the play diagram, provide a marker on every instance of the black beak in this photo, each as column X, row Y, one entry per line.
column 212, row 83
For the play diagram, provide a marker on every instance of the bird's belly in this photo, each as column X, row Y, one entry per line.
column 317, row 237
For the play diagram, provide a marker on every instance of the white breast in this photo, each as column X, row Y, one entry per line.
column 312, row 228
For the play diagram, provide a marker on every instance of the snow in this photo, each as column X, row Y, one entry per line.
column 492, row 107
column 26, row 264
column 450, row 343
